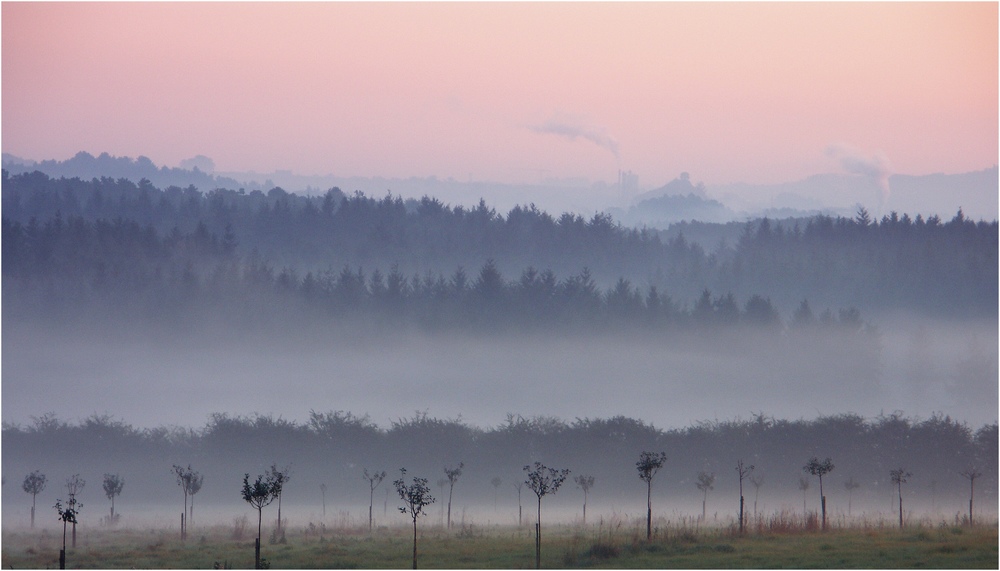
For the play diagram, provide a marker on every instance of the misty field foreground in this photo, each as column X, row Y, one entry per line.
column 779, row 541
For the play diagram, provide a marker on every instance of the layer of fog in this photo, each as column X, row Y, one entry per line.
column 149, row 378
column 473, row 507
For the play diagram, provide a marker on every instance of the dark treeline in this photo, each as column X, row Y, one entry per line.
column 335, row 447
column 926, row 265
column 74, row 267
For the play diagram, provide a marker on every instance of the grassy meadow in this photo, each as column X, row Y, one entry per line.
column 775, row 542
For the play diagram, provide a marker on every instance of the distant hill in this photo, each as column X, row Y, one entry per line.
column 976, row 193
column 934, row 194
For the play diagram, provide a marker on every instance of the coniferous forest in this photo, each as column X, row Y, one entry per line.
column 170, row 250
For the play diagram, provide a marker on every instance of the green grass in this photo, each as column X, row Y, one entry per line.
column 512, row 548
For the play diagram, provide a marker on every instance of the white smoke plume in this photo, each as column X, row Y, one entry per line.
column 853, row 161
column 573, row 128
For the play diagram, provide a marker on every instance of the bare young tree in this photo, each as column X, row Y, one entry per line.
column 186, row 478
column 743, row 471
column 281, row 476
column 322, row 490
column 441, row 483
column 648, row 465
column 195, row 488
column 259, row 495
column 518, row 487
column 706, row 482
column 899, row 477
column 373, row 479
column 416, row 496
column 757, row 482
column 850, row 485
column 66, row 516
column 496, row 482
column 543, row 481
column 74, row 485
column 113, row 485
column 817, row 468
column 803, row 485
column 971, row 473
column 34, row 484
column 452, row 474
column 584, row 483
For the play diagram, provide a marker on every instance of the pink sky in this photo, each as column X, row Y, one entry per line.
column 507, row 92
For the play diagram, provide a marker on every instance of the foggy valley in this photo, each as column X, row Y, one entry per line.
column 317, row 284
column 147, row 327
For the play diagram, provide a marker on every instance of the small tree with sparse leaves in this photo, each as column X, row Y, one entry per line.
column 259, row 494
column 743, row 470
column 74, row 485
column 452, row 474
column 543, row 481
column 899, row 477
column 803, row 485
column 706, row 482
column 187, row 479
column 34, row 484
column 584, row 483
column 416, row 497
column 757, row 481
column 971, row 474
column 281, row 476
column 850, row 485
column 373, row 479
column 496, row 482
column 113, row 485
column 322, row 490
column 817, row 468
column 648, row 465
column 67, row 515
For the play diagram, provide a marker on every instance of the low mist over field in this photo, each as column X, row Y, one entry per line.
column 152, row 377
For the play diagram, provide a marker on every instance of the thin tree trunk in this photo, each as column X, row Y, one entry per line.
column 822, row 500
column 33, row 511
column 972, row 492
column 414, row 542
column 260, row 518
column 519, row 507
column 371, row 503
column 450, row 490
column 900, row 506
column 538, row 536
column 741, row 515
column 62, row 552
column 649, row 511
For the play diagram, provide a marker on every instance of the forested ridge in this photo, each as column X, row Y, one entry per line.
column 66, row 240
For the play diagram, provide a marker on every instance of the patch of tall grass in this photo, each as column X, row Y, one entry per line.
column 781, row 539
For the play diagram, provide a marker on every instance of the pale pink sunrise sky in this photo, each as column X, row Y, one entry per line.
column 507, row 92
